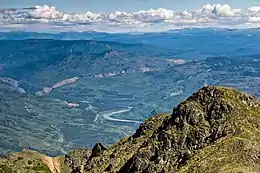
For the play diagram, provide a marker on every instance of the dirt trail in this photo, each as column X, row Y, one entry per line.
column 52, row 163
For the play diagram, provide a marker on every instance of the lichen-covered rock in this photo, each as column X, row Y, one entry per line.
column 97, row 150
column 76, row 159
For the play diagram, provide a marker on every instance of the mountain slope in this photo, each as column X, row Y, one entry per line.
column 214, row 130
column 210, row 118
column 89, row 86
column 28, row 121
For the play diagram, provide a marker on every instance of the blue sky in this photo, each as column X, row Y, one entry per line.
column 123, row 5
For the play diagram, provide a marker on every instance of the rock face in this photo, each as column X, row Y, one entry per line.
column 214, row 130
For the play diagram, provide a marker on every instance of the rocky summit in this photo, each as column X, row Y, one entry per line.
column 215, row 130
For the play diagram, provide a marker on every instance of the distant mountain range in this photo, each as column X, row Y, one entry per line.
column 181, row 43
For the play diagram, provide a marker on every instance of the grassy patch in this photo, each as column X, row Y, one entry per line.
column 5, row 169
column 41, row 168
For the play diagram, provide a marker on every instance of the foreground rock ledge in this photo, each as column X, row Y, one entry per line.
column 215, row 130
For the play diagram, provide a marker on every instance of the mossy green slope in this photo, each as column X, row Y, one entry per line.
column 238, row 149
column 29, row 161
column 215, row 130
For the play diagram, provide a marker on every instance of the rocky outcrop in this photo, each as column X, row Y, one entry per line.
column 209, row 116
column 196, row 123
column 214, row 130
column 76, row 159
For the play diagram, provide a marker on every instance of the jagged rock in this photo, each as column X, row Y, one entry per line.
column 76, row 159
column 97, row 150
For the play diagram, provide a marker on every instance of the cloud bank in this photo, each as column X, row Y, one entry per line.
column 42, row 18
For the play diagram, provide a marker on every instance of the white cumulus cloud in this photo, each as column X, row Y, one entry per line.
column 48, row 17
column 45, row 12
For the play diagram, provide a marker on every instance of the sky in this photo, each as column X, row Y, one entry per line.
column 123, row 5
column 126, row 15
